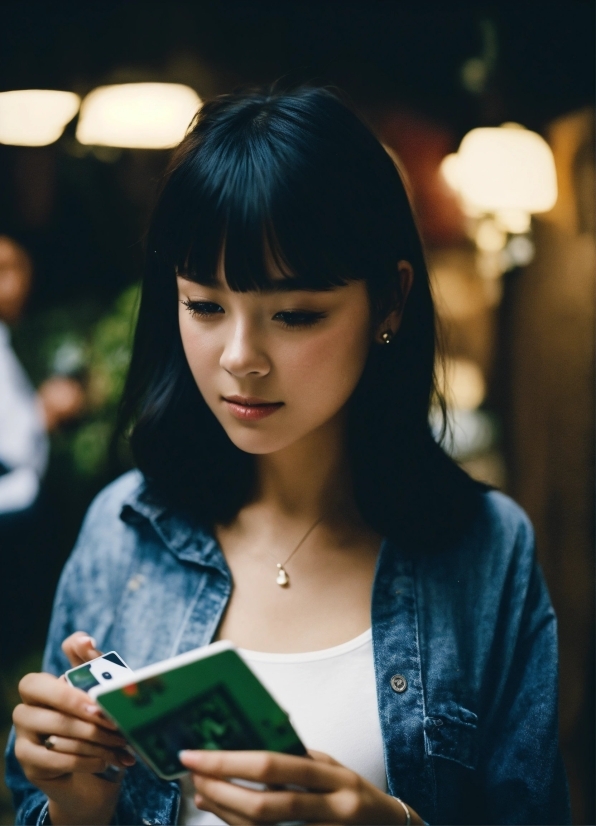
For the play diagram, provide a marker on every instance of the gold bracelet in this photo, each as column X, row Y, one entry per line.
column 406, row 810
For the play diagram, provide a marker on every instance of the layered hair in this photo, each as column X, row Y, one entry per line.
column 295, row 182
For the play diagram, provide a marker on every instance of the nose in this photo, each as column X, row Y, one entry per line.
column 242, row 354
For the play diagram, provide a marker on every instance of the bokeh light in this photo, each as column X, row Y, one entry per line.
column 506, row 168
column 35, row 117
column 137, row 115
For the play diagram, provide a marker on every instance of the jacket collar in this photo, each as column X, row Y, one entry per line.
column 185, row 537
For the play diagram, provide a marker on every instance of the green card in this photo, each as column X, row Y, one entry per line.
column 205, row 699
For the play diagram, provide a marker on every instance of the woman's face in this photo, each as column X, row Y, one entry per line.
column 274, row 366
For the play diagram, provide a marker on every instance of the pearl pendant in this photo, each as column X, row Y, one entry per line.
column 283, row 580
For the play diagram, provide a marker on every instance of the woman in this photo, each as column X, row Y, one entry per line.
column 289, row 490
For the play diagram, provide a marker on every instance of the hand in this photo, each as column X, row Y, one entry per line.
column 62, row 399
column 80, row 743
column 80, row 648
column 332, row 793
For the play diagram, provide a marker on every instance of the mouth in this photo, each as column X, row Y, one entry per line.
column 250, row 408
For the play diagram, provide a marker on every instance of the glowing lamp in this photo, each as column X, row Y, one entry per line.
column 508, row 170
column 137, row 115
column 35, row 117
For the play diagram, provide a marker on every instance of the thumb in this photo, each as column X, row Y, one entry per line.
column 80, row 648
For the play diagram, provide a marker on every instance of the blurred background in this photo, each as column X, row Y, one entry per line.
column 489, row 110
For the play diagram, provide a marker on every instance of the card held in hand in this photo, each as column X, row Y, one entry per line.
column 208, row 698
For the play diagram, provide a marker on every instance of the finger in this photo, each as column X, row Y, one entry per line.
column 48, row 721
column 268, row 767
column 227, row 815
column 68, row 745
column 80, row 648
column 50, row 692
column 46, row 764
column 321, row 757
column 262, row 806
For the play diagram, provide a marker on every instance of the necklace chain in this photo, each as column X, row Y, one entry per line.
column 282, row 579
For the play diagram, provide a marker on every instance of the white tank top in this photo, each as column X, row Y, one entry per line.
column 331, row 698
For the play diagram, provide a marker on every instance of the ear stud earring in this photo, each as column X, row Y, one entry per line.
column 387, row 337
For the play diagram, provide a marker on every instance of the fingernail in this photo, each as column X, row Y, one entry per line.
column 92, row 709
column 198, row 801
column 92, row 642
column 127, row 760
column 186, row 754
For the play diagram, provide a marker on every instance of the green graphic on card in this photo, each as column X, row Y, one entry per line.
column 208, row 699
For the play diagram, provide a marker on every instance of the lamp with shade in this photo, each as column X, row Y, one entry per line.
column 503, row 175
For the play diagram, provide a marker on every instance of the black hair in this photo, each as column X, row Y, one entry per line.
column 295, row 178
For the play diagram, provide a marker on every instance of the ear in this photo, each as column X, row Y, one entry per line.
column 390, row 325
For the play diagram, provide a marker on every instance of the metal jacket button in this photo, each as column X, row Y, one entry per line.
column 398, row 683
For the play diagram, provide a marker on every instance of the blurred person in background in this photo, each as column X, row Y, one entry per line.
column 24, row 444
column 26, row 418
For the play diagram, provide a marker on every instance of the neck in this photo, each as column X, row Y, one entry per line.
column 308, row 478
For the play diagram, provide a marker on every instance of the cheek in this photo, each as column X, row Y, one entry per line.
column 325, row 370
column 200, row 351
column 315, row 373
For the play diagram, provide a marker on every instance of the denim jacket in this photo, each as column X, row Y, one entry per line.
column 464, row 641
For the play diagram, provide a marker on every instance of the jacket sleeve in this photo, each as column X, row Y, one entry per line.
column 524, row 777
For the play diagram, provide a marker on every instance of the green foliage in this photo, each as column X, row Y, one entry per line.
column 110, row 345
column 90, row 445
column 108, row 353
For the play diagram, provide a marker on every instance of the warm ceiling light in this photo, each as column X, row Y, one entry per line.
column 137, row 115
column 35, row 117
column 506, row 168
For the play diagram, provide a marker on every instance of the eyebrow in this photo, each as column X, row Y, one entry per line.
column 281, row 285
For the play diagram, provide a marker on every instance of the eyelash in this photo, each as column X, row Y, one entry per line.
column 290, row 319
column 303, row 318
column 197, row 309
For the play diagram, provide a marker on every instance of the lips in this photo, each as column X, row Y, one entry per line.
column 250, row 408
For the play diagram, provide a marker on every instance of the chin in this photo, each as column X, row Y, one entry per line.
column 258, row 444
column 257, row 441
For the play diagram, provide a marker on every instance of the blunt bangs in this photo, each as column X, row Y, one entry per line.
column 260, row 187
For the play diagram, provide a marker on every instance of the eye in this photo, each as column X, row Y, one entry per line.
column 202, row 309
column 299, row 318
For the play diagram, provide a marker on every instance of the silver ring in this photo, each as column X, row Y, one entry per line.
column 49, row 742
